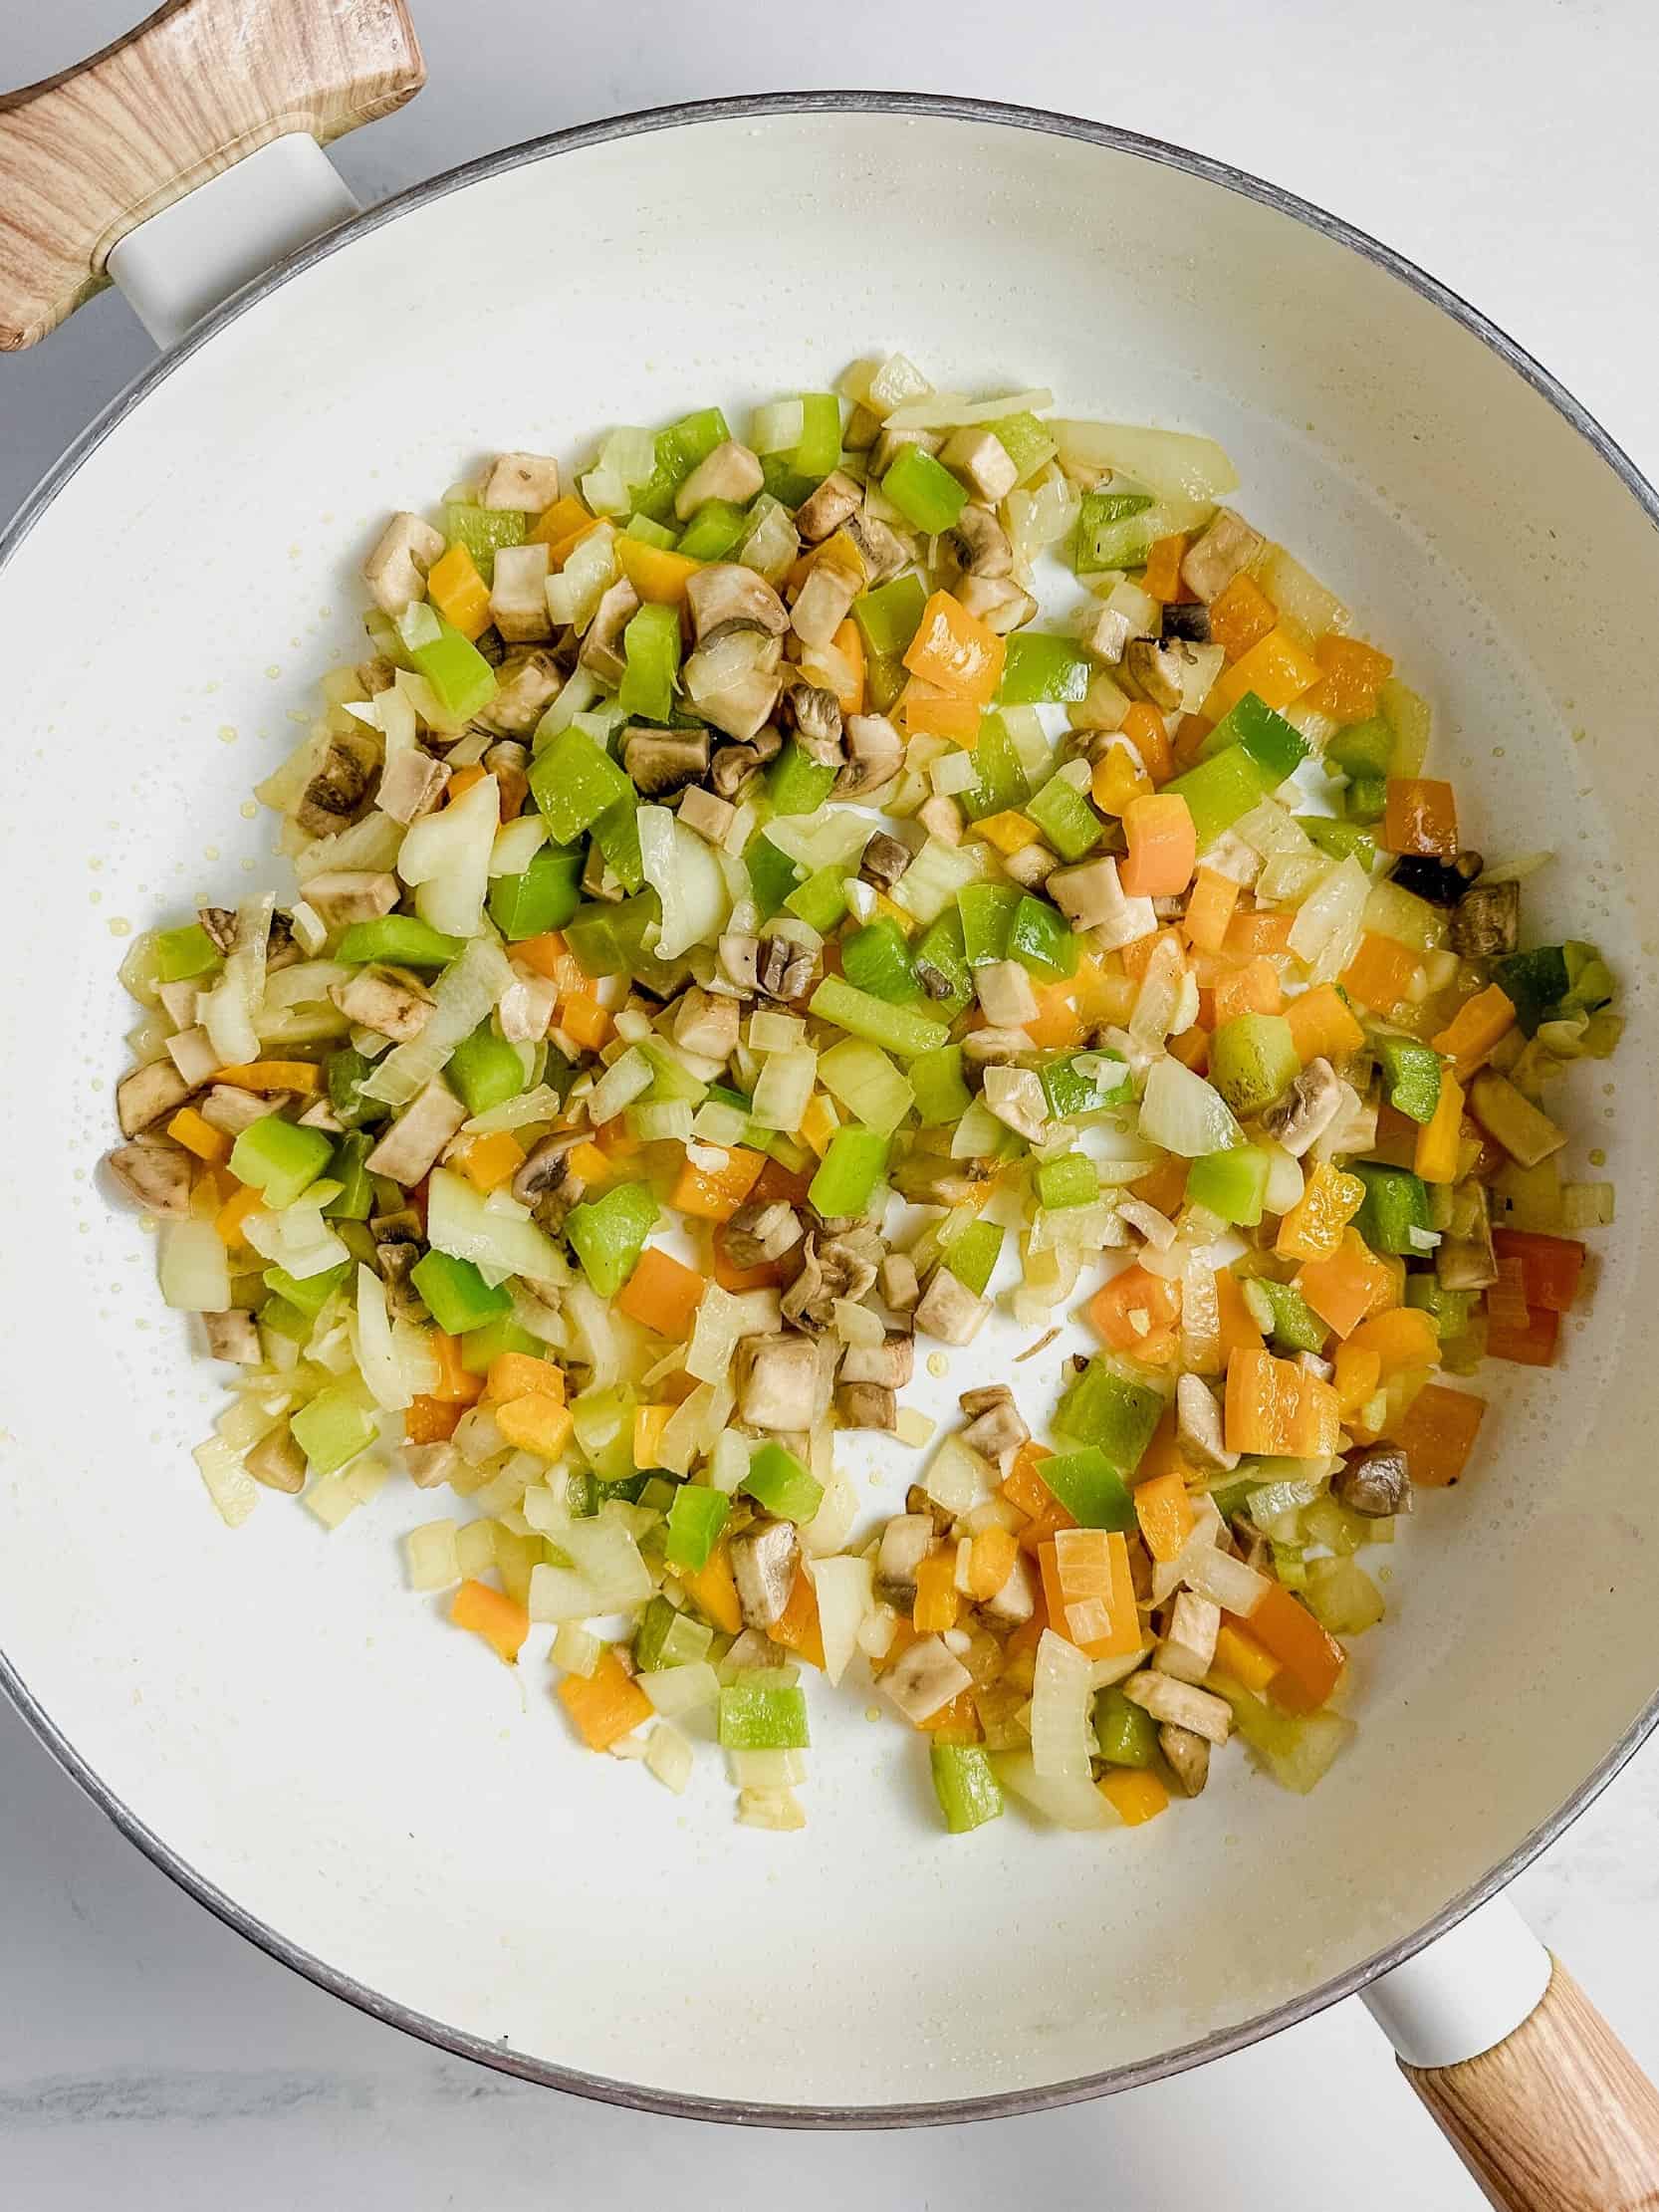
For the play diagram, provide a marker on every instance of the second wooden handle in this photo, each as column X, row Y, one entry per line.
column 1558, row 2117
column 87, row 154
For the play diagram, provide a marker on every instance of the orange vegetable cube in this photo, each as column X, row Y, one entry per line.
column 1238, row 1332
column 1144, row 727
column 1241, row 616
column 1356, row 1379
column 1311, row 1661
column 1321, row 1026
column 767, row 1274
column 1530, row 1344
column 1165, row 1514
column 662, row 1293
column 927, row 711
column 1437, row 1434
column 1436, row 1159
column 1353, row 670
column 1278, row 1411
column 1313, row 1229
column 955, row 651
column 1122, row 1633
column 455, row 1386
column 550, row 956
column 1402, row 1339
column 846, row 671
column 1135, row 1793
column 492, row 1159
column 1162, row 580
column 538, row 1423
column 954, row 1722
column 713, row 1591
column 1009, row 831
column 714, row 1193
column 430, row 1422
column 796, row 1626
column 650, row 1421
column 229, row 1219
column 459, row 592
column 515, row 1374
column 273, row 1075
column 1192, row 1047
column 1476, row 1025
column 492, row 1614
column 1238, row 1654
column 1024, row 1487
column 1343, row 1288
column 1252, row 989
column 566, row 520
column 1550, row 1266
column 1190, row 733
column 991, row 1562
column 583, row 1018
column 1136, row 1310
column 659, row 575
column 1382, row 972
column 1117, row 780
column 1057, row 1024
column 588, row 1162
column 1420, row 816
column 1250, row 932
column 1163, row 847
column 1209, row 909
column 607, row 1704
column 1278, row 670
column 196, row 1135
column 937, row 1601
column 1136, row 956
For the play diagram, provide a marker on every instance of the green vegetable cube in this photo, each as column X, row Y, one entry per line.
column 1104, row 1408
column 1281, row 1309
column 1396, row 1204
column 331, row 1429
column 1231, row 1185
column 778, row 1480
column 1002, row 781
column 924, row 491
column 1536, row 981
column 941, row 957
column 279, row 1159
column 347, row 1071
column 972, row 1257
column 1027, row 442
column 1365, row 797
column 877, row 958
column 348, row 1166
column 896, row 1028
column 181, row 954
column 574, row 781
column 797, row 784
column 463, row 679
column 1041, row 937
column 1041, row 668
column 1362, row 748
column 1071, row 1180
column 1221, row 791
column 1411, row 1077
column 402, row 941
column 773, row 876
column 890, row 615
column 695, row 1520
column 544, row 898
column 942, row 1098
column 1275, row 745
column 1066, row 817
column 456, row 1295
column 821, row 900
column 1091, row 1489
column 608, row 1234
column 1127, row 1733
column 987, row 913
column 966, row 1786
column 1253, row 1060
column 483, row 531
column 1342, row 840
column 1450, row 1308
column 1114, row 532
column 617, row 833
column 1085, row 1082
column 848, row 1172
column 481, row 1348
column 760, row 1718
column 485, row 1071
column 715, row 531
column 307, row 1294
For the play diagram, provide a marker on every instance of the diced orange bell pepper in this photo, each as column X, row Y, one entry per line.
column 1347, row 1284
column 1135, row 1793
column 1437, row 1434
column 796, row 1626
column 1165, row 1511
column 1238, row 1654
column 584, row 1018
column 1010, row 832
column 590, row 1164
column 1278, row 670
column 657, row 574
column 1209, row 909
column 1533, row 1346
column 196, row 1135
column 1136, row 956
column 1436, row 1155
column 1355, row 1381
column 456, row 1384
column 1420, row 816
column 662, row 1293
column 1117, row 780
column 715, row 1193
column 1250, row 989
column 1550, row 1266
column 605, row 1705
column 566, row 519
column 1252, row 931
column 954, row 1722
column 538, row 1423
column 1241, row 616
column 462, row 781
column 1057, row 1024
column 1023, row 1486
column 937, row 1602
column 1404, row 1338
column 925, row 711
column 1188, row 742
column 1382, row 972
column 991, row 1560
column 550, row 956
column 515, row 1374
column 955, row 650
column 1123, row 1633
column 1192, row 1047
column 849, row 684
column 272, row 1074
column 1311, row 1661
column 714, row 1592
column 1321, row 1026
column 492, row 1159
column 1138, row 1313
column 1278, row 1411
column 430, row 1422
column 1144, row 727
column 1162, row 578
column 492, row 1614
column 1313, row 1229
column 1163, row 847
column 459, row 592
column 1354, row 671
column 1239, row 1330
column 1476, row 1025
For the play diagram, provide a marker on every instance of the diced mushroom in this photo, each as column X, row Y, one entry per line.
column 783, row 968
column 1014, row 1096
column 760, row 1233
column 1188, row 1649
column 546, row 1182
column 319, row 1115
column 994, row 1048
column 738, row 959
column 1006, row 995
column 996, row 601
column 148, row 1093
column 881, row 549
column 823, row 601
column 823, row 512
column 725, row 592
column 1092, row 898
column 658, row 760
column 192, row 1054
column 867, row 1406
column 1031, row 866
column 941, row 818
column 1440, row 881
column 710, row 817
column 763, row 1561
column 411, row 1148
column 884, row 861
column 346, row 894
column 1218, row 554
column 1375, row 1483
column 519, row 593
column 981, row 457
column 1016, row 1599
column 924, row 1678
column 526, row 482
column 1188, row 619
column 1512, row 1120
column 157, row 1175
column 995, row 1428
column 891, row 443
column 832, row 1268
column 1181, row 1704
column 733, row 765
column 950, row 1310
column 278, row 1462
column 1468, row 1263
column 412, row 785
column 901, row 1285
column 906, row 1540
column 1487, row 921
column 339, row 794
column 1197, row 1424
column 918, row 1500
column 778, row 1390
column 977, row 544
column 232, row 1336
column 707, row 1024
column 1307, row 1109
column 733, row 681
column 1188, row 1757
column 395, row 572
column 892, row 1362
column 875, row 756
column 731, row 472
column 526, row 683
column 397, row 1260
column 814, row 714
column 1158, row 669
column 601, row 646
column 233, row 1110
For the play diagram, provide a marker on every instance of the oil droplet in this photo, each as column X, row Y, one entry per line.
column 210, row 851
column 120, row 927
column 247, row 868
column 1598, row 1157
column 872, row 1712
column 95, row 865
column 227, row 733
column 250, row 809
column 95, row 899
column 937, row 1364
column 273, row 673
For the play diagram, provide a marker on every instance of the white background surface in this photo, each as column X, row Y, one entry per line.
column 144, row 2050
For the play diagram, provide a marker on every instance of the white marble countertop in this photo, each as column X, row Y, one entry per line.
column 149, row 2057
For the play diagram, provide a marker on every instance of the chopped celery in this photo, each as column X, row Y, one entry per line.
column 1113, row 532
column 1041, row 938
column 286, row 1320
column 481, row 1347
column 1042, row 668
column 1411, row 1077
column 485, row 1071
column 544, row 898
column 1285, row 1314
column 1026, row 441
column 1103, row 1409
column 942, row 964
column 848, row 1172
column 279, row 1159
column 574, row 781
column 483, row 531
column 695, row 1520
column 890, row 615
column 896, row 1028
column 1396, row 1204
column 942, row 1098
column 347, row 1071
column 797, row 784
column 400, row 940
column 1066, row 817
column 651, row 663
column 456, row 1295
column 924, row 491
column 714, row 530
column 331, row 1429
column 1085, row 1082
column 1220, row 791
column 1343, row 841
column 1231, row 1185
column 762, row 1718
column 1125, row 1732
column 183, row 954
column 1253, row 1060
column 972, row 1257
column 1272, row 744
column 821, row 900
column 987, row 913
column 877, row 958
column 308, row 1294
column 608, row 1234
column 776, row 1481
column 649, row 533
column 355, row 1200
column 773, row 876
column 1071, row 1180
column 462, row 678
column 966, row 1785
column 1001, row 779
column 1091, row 1489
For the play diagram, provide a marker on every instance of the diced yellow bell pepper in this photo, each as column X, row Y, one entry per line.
column 1437, row 1139
column 1135, row 1793
column 819, row 1122
column 1278, row 670
column 1239, row 1654
column 650, row 1421
column 537, row 1423
column 459, row 592
column 1008, row 831
column 1313, row 1229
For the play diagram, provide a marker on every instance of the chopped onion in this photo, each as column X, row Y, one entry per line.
column 1170, row 462
column 228, row 1012
column 232, row 1489
column 784, row 1087
column 714, row 1336
column 687, row 878
column 446, row 857
column 1159, row 996
column 371, row 843
column 194, row 1268
column 1516, row 868
column 430, row 1556
column 462, row 1223
column 623, row 1080
column 540, row 1105
column 1070, row 1801
column 517, row 844
column 465, row 993
column 844, row 1597
column 669, row 1757
column 1325, row 933
column 681, row 1689
column 1199, row 1316
column 377, row 1359
column 1155, row 1227
column 957, row 1478
column 577, row 587
column 1184, row 1114
column 1226, row 1581
column 946, row 410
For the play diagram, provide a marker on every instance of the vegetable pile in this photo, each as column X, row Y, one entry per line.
column 734, row 947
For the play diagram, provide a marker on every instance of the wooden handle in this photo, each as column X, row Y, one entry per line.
column 1558, row 2117
column 87, row 154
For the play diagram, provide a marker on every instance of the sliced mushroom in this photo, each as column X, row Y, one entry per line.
column 599, row 879
column 1486, row 922
column 867, row 1406
column 823, row 512
column 977, row 544
column 832, row 1268
column 658, row 760
column 706, row 1024
column 340, row 895
column 884, row 861
column 1014, row 1096
column 1181, row 1704
column 1158, row 668
column 601, row 646
column 900, row 1283
column 784, row 969
column 528, row 482
column 278, row 1462
column 1307, row 1109
column 738, row 959
column 395, row 572
column 940, row 1518
column 1188, row 1757
column 226, row 1107
column 815, row 713
column 1187, row 620
column 906, row 1540
column 1032, row 867
column 733, row 681
column 157, row 1175
column 339, row 794
column 1187, row 1649
column 1375, row 1483
column 233, row 1336
column 1222, row 552
column 892, row 1362
column 730, row 472
column 1197, row 1424
column 996, row 1428
column 996, row 601
column 778, row 1390
column 519, row 593
column 924, row 1678
column 710, row 817
column 1468, row 1263
column 546, row 1182
column 875, row 756
column 411, row 1148
column 148, row 1093
column 412, row 785
column 526, row 683
column 764, row 1559
column 760, row 1233
column 994, row 1048
column 396, row 1259
column 883, row 550
column 726, row 592
column 1016, row 1599
column 733, row 765
column 950, row 1310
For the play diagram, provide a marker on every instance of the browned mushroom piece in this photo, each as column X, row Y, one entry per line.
column 1375, row 1483
column 710, row 817
column 867, row 1406
column 1486, row 921
column 783, row 968
column 905, row 1543
column 395, row 571
column 892, row 1362
column 340, row 896
column 155, row 1176
column 545, row 1181
column 340, row 792
column 762, row 1232
column 659, row 761
column 706, row 1023
column 412, row 785
column 411, row 1148
column 875, row 756
column 148, row 1093
column 1300, row 1119
column 883, row 550
column 396, row 1259
column 814, row 714
column 977, row 544
column 764, row 1559
column 832, row 1268
column 823, row 512
column 523, row 482
column 233, row 1336
column 737, row 958
column 278, row 1462
column 926, row 1675
column 778, row 1383
column 1188, row 1757
column 725, row 593
column 884, row 861
column 733, row 681
column 601, row 645
column 730, row 472
column 995, row 1427
column 997, row 602
column 949, row 1310
column 526, row 682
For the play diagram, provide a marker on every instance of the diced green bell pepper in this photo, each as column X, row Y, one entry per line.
column 485, row 1071
column 1273, row 744
column 1362, row 748
column 1027, row 442
column 1231, row 1185
column 347, row 1166
column 773, row 876
column 797, row 784
column 1365, row 797
column 651, row 1634
column 1396, row 1202
column 1411, row 1075
column 695, row 1520
column 1284, row 1313
column 848, row 1172
column 279, row 1159
column 331, row 1429
column 1072, row 1090
column 1450, row 1308
column 1253, row 1060
column 1221, row 791
column 482, row 1346
column 285, row 1320
column 651, row 662
column 617, row 833
column 762, row 1719
column 1066, row 817
column 1103, row 1409
column 942, row 1098
column 715, row 531
column 1002, row 781
column 183, row 954
column 1343, row 841
column 987, row 913
column 941, row 957
column 544, row 898
column 483, row 531
column 608, row 1234
column 896, row 1028
column 1113, row 532
column 574, row 781
column 966, row 1785
column 1041, row 938
column 651, row 532
column 456, row 1295
column 1042, row 668
column 877, row 958
column 1554, row 981
column 307, row 1294
column 1125, row 1732
column 924, row 491
column 890, row 615
column 347, row 1071
column 1091, row 1489
column 778, row 1480
column 1071, row 1180
column 462, row 678
column 972, row 1257
column 820, row 902
column 400, row 940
